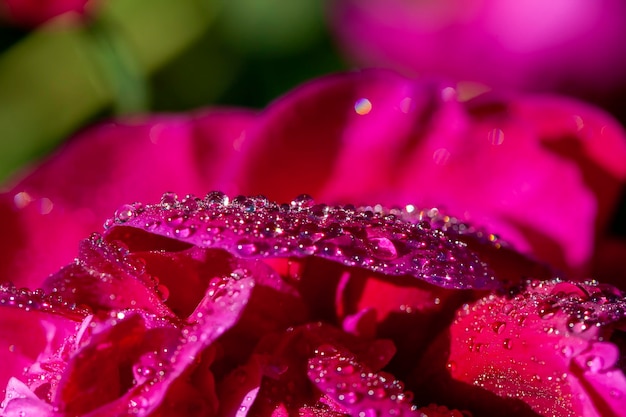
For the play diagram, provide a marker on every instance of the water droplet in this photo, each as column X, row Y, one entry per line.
column 326, row 350
column 151, row 225
column 302, row 202
column 349, row 398
column 216, row 198
column 169, row 200
column 190, row 204
column 345, row 368
column 498, row 327
column 362, row 106
column 441, row 156
column 369, row 412
column 383, row 248
column 124, row 213
column 495, row 137
column 184, row 231
column 163, row 291
column 246, row 247
column 507, row 344
column 175, row 220
column 567, row 351
column 594, row 363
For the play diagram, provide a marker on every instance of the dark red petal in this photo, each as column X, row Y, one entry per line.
column 123, row 342
column 255, row 228
column 549, row 346
column 106, row 277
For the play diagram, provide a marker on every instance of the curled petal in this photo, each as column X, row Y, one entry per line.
column 342, row 234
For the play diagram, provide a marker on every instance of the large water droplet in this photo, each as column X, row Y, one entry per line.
column 349, row 398
column 594, row 363
column 246, row 247
column 383, row 248
column 124, row 213
column 169, row 200
column 303, row 201
column 216, row 198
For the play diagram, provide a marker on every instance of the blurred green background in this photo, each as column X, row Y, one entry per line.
column 138, row 56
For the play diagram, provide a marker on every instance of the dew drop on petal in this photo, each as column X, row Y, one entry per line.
column 349, row 398
column 124, row 213
column 216, row 198
column 594, row 363
column 246, row 248
column 383, row 248
column 169, row 200
column 495, row 137
column 303, row 201
column 362, row 106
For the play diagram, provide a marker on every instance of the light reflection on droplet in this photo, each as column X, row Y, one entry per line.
column 495, row 137
column 155, row 133
column 45, row 206
column 441, row 156
column 363, row 106
column 406, row 104
column 579, row 122
column 22, row 199
column 448, row 93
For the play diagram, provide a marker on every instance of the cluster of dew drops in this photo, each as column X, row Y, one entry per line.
column 398, row 241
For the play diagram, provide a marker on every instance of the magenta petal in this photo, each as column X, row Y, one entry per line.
column 501, row 43
column 353, row 237
column 20, row 401
column 70, row 195
column 327, row 135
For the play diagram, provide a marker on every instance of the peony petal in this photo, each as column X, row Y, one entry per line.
column 548, row 346
column 327, row 135
column 21, row 401
column 108, row 165
column 106, row 277
column 352, row 237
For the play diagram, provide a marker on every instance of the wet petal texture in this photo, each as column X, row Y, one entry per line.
column 556, row 348
column 500, row 43
column 255, row 227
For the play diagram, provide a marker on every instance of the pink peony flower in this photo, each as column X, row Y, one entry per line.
column 543, row 172
column 35, row 12
column 233, row 307
column 574, row 46
column 219, row 307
